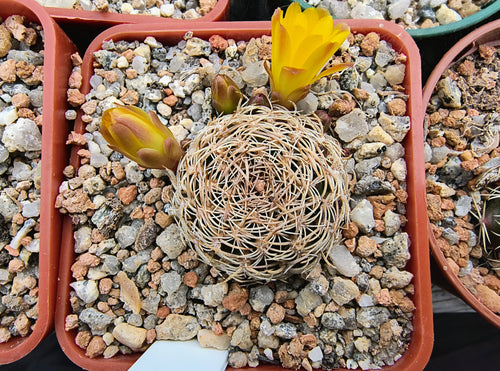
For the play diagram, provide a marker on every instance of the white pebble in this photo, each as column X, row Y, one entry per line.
column 398, row 8
column 86, row 290
column 22, row 135
column 187, row 124
column 164, row 109
column 315, row 354
column 154, row 11
column 343, row 261
column 23, row 232
column 70, row 114
column 445, row 15
column 152, row 42
column 269, row 354
column 31, row 209
column 398, row 169
column 122, row 62
column 8, row 115
column 365, row 300
column 362, row 216
column 167, row 10
column 127, row 8
column 33, row 246
column 179, row 132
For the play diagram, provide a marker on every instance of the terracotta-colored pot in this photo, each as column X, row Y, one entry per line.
column 420, row 346
column 84, row 17
column 487, row 34
column 58, row 48
column 421, row 342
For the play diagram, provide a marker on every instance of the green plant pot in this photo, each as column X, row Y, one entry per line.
column 423, row 33
column 447, row 29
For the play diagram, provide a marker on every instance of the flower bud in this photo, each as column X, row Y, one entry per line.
column 325, row 119
column 259, row 99
column 141, row 137
column 225, row 94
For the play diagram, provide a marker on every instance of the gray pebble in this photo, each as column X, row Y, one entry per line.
column 150, row 305
column 352, row 126
column 97, row 321
column 396, row 250
column 86, row 290
column 372, row 316
column 463, row 206
column 170, row 241
column 332, row 321
column 133, row 263
column 285, row 330
column 367, row 167
column 449, row 93
column 362, row 216
column 260, row 297
column 451, row 236
column 370, row 185
column 177, row 299
column 143, row 277
column 307, row 300
column 343, row 261
column 29, row 56
column 126, row 235
column 170, row 282
column 151, row 320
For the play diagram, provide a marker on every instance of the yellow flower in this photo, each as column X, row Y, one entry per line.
column 303, row 42
column 140, row 137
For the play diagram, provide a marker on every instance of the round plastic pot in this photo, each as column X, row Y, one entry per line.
column 423, row 33
column 420, row 347
column 84, row 17
column 487, row 34
column 58, row 48
column 303, row 4
column 468, row 22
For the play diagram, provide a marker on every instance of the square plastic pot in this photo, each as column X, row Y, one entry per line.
column 58, row 48
column 84, row 17
column 488, row 34
column 420, row 347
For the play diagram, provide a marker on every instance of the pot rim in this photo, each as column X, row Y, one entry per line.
column 220, row 12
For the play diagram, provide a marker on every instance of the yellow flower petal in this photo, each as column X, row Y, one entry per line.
column 303, row 42
column 334, row 69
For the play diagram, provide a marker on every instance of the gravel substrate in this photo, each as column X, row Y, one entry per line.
column 178, row 9
column 410, row 14
column 21, row 77
column 462, row 162
column 136, row 280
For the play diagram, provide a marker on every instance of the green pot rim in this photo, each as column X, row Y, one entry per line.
column 423, row 33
